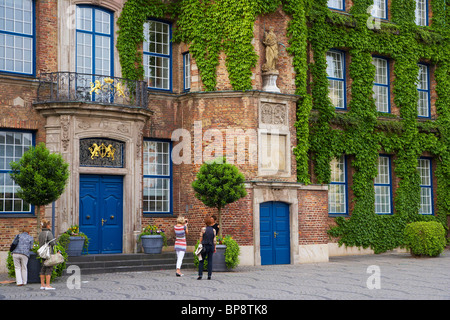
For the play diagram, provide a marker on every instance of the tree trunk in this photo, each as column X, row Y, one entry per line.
column 38, row 219
column 220, row 222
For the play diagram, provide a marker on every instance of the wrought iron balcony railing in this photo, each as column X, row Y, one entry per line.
column 80, row 87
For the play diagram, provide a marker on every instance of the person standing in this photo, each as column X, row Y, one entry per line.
column 215, row 225
column 21, row 254
column 181, row 229
column 46, row 272
column 208, row 241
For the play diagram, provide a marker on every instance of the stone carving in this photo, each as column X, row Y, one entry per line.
column 270, row 41
column 65, row 122
column 273, row 114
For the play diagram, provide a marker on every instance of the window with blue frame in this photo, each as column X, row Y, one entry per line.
column 423, row 87
column 336, row 78
column 158, row 55
column 157, row 177
column 381, row 85
column 187, row 71
column 94, row 41
column 336, row 4
column 17, row 37
column 426, row 186
column 421, row 12
column 380, row 9
column 337, row 189
column 13, row 144
column 383, row 186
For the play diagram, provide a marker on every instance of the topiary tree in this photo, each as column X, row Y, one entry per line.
column 219, row 183
column 41, row 175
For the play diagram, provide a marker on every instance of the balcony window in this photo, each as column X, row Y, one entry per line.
column 94, row 41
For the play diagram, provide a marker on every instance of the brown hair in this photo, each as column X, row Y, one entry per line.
column 45, row 223
column 208, row 221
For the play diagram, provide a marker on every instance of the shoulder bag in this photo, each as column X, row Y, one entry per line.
column 14, row 243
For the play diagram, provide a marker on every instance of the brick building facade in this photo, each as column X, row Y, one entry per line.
column 165, row 129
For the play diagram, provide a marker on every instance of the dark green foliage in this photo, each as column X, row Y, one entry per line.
column 425, row 238
column 219, row 183
column 41, row 175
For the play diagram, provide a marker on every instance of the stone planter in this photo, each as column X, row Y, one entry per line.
column 75, row 246
column 34, row 267
column 152, row 243
column 219, row 258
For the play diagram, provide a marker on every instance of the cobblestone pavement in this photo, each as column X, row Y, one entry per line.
column 394, row 276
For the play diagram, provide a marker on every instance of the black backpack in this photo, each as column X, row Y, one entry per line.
column 14, row 243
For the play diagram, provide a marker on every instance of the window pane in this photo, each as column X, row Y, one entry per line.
column 421, row 12
column 336, row 4
column 335, row 72
column 379, row 9
column 12, row 147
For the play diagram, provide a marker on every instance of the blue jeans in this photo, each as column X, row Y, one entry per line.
column 209, row 251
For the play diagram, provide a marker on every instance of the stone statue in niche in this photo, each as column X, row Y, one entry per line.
column 270, row 41
column 270, row 72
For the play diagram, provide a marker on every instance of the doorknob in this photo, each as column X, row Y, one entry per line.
column 103, row 221
column 275, row 234
column 111, row 217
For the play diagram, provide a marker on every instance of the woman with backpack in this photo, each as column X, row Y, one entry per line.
column 208, row 241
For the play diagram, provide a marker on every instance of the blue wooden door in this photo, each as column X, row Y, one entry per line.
column 101, row 212
column 274, row 233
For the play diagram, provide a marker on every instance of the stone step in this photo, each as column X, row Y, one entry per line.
column 108, row 263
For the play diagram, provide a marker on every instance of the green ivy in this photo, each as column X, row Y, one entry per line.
column 214, row 26
column 361, row 132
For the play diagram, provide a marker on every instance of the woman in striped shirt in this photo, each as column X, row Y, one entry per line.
column 181, row 229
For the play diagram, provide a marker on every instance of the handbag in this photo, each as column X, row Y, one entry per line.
column 14, row 243
column 54, row 259
column 44, row 251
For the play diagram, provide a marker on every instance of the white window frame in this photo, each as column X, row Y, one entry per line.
column 157, row 180
column 381, row 84
column 13, row 144
column 158, row 55
column 337, row 189
column 380, row 9
column 336, row 78
column 423, row 87
column 421, row 13
column 426, row 186
column 383, row 186
column 17, row 37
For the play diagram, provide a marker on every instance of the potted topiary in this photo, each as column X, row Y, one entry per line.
column 219, row 183
column 74, row 241
column 152, row 239
column 226, row 256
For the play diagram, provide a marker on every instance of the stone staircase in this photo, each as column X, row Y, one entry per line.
column 108, row 263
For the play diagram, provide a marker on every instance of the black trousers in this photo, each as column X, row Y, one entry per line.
column 208, row 252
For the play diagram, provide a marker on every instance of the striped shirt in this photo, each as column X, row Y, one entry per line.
column 180, row 241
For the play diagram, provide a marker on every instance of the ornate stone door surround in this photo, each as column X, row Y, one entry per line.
column 67, row 124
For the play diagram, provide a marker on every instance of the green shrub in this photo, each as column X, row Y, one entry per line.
column 425, row 238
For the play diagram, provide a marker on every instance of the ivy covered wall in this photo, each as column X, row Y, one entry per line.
column 214, row 26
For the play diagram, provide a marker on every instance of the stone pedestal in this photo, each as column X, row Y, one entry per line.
column 269, row 80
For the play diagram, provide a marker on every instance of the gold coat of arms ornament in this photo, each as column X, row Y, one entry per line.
column 102, row 151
